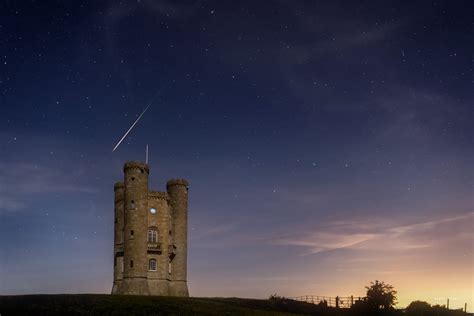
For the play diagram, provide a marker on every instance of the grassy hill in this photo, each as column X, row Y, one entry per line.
column 104, row 305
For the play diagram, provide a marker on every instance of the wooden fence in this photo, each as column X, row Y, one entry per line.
column 334, row 301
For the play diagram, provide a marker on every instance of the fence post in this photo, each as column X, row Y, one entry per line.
column 465, row 308
column 447, row 306
column 352, row 300
column 337, row 301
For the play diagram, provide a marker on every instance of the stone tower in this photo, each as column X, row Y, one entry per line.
column 150, row 241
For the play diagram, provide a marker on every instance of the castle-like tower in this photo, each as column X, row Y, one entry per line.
column 150, row 242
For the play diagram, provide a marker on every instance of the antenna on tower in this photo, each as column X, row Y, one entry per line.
column 146, row 154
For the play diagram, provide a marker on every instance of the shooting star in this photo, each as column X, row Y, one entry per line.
column 134, row 123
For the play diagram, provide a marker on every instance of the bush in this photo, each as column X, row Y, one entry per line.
column 418, row 308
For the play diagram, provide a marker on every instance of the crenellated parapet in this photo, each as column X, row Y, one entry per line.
column 136, row 165
column 156, row 195
column 173, row 182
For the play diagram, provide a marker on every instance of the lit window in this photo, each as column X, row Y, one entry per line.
column 152, row 235
column 153, row 210
column 152, row 265
column 169, row 266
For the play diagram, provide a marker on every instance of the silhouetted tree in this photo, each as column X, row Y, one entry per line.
column 380, row 296
column 418, row 308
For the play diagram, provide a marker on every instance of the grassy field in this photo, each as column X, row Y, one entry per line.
column 104, row 305
column 96, row 304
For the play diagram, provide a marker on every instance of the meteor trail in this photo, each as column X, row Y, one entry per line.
column 134, row 123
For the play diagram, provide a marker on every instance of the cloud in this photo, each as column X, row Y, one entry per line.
column 20, row 180
column 8, row 204
column 383, row 236
column 323, row 241
column 417, row 113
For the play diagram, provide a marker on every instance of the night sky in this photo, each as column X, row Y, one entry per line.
column 327, row 144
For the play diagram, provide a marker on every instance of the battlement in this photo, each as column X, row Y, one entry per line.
column 172, row 182
column 156, row 195
column 136, row 165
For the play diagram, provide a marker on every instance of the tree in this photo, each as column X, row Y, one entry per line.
column 380, row 296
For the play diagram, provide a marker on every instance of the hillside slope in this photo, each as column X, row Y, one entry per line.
column 104, row 305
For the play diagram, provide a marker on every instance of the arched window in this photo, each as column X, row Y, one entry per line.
column 152, row 235
column 152, row 265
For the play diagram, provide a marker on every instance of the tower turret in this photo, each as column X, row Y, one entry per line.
column 178, row 197
column 135, row 229
column 118, row 236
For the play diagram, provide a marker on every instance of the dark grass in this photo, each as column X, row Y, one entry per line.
column 104, row 305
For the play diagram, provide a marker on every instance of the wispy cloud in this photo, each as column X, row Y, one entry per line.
column 382, row 235
column 20, row 180
column 322, row 241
